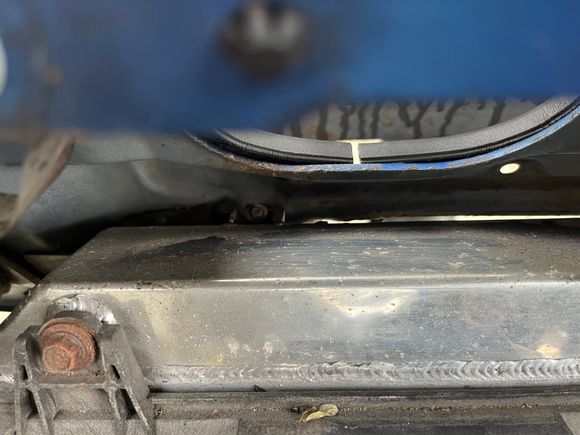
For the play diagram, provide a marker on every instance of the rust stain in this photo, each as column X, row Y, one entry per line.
column 67, row 345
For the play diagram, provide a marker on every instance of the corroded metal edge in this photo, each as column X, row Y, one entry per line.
column 440, row 374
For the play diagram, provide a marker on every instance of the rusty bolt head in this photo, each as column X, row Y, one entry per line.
column 258, row 212
column 67, row 345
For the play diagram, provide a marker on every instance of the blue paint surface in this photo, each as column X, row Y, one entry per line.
column 147, row 65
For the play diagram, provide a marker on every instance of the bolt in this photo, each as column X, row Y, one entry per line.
column 67, row 345
column 258, row 212
column 265, row 38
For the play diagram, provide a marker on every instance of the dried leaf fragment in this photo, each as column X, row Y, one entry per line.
column 325, row 410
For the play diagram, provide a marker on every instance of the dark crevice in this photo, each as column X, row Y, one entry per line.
column 375, row 120
column 361, row 121
column 347, row 111
column 321, row 132
column 497, row 112
column 449, row 117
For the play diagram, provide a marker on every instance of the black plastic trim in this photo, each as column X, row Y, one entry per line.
column 276, row 148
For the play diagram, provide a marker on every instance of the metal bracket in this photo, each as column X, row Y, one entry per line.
column 113, row 384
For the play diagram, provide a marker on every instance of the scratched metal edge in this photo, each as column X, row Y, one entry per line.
column 374, row 375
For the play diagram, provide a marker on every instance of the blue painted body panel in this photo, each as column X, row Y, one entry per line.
column 157, row 66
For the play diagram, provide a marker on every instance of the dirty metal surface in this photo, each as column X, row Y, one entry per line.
column 359, row 412
column 332, row 307
column 166, row 172
column 43, row 163
column 113, row 388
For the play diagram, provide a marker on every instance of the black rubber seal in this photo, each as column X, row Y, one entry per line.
column 276, row 148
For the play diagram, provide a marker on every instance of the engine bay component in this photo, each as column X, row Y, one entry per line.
column 67, row 345
column 199, row 310
column 339, row 306
column 49, row 380
column 272, row 147
column 257, row 228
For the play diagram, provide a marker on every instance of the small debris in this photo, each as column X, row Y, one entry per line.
column 258, row 389
column 325, row 410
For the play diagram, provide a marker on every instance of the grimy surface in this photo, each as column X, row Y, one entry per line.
column 391, row 120
column 332, row 306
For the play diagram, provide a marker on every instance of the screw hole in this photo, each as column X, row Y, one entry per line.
column 29, row 397
column 114, row 373
column 23, row 373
